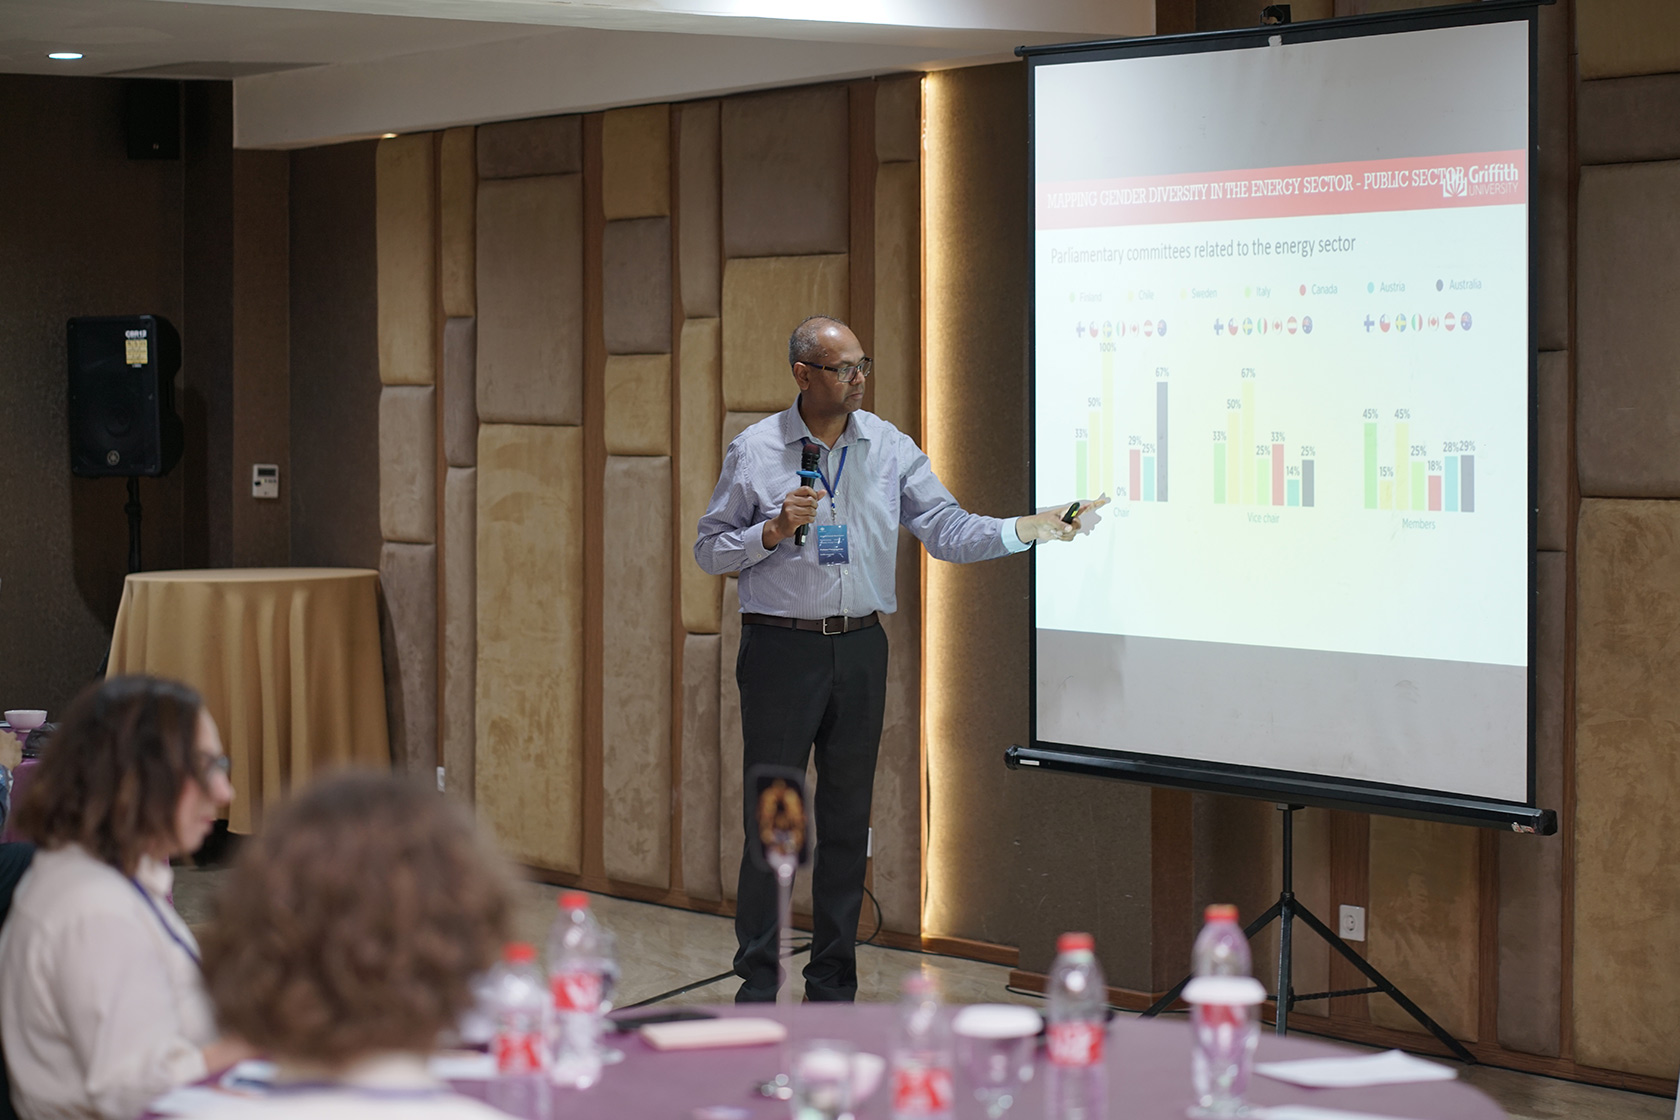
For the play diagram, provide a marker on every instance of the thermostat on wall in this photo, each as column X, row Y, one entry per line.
column 265, row 480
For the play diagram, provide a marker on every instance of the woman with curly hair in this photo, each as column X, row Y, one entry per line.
column 345, row 943
column 102, row 1006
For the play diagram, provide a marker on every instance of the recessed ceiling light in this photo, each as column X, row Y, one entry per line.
column 65, row 56
column 389, row 136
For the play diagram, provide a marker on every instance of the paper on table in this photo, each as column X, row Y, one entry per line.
column 461, row 1065
column 698, row 1034
column 1308, row 1112
column 1392, row 1067
column 191, row 1100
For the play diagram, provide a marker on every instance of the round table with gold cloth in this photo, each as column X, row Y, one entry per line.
column 287, row 660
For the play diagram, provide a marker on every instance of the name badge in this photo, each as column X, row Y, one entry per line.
column 831, row 545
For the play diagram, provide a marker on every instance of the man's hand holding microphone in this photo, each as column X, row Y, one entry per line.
column 799, row 508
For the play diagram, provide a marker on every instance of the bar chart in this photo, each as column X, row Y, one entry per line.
column 1146, row 454
column 1415, row 479
column 1107, row 459
column 1252, row 465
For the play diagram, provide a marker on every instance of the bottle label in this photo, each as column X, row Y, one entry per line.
column 1075, row 1043
column 576, row 990
column 517, row 1051
column 922, row 1091
column 1217, row 1015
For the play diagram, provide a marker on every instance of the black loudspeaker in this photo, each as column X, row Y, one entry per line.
column 122, row 396
column 152, row 118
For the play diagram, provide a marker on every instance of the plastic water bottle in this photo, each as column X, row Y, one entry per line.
column 520, row 1008
column 574, row 978
column 922, row 1085
column 1076, row 1080
column 1224, row 1016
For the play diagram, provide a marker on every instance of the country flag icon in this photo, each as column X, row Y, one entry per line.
column 1231, row 328
column 1306, row 324
column 1277, row 324
column 1248, row 326
column 1218, row 326
column 1451, row 321
column 1417, row 322
column 1148, row 329
column 1434, row 322
column 1290, row 324
column 1261, row 326
column 1079, row 328
column 1383, row 323
column 1369, row 323
column 1161, row 329
column 1400, row 323
column 1108, row 329
column 1464, row 320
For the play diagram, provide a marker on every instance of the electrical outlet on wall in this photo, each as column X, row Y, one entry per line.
column 1352, row 923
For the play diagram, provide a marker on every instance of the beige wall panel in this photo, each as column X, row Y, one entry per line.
column 636, row 676
column 636, row 286
column 896, row 811
column 697, row 472
column 638, row 404
column 406, row 198
column 460, row 628
column 460, row 392
column 636, row 162
column 785, row 190
column 541, row 146
column 408, row 463
column 1552, row 179
column 528, row 772
column 898, row 119
column 1628, row 120
column 1531, row 867
column 699, row 230
column 458, row 219
column 1422, row 925
column 1628, row 366
column 763, row 300
column 1618, row 38
column 530, row 300
column 898, row 295
column 1627, row 775
column 734, row 423
column 1552, row 450
column 700, row 794
column 408, row 634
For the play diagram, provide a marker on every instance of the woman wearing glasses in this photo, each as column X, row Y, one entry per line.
column 102, row 1003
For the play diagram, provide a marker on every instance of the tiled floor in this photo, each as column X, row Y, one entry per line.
column 660, row 949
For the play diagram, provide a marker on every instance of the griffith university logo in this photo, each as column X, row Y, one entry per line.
column 1454, row 182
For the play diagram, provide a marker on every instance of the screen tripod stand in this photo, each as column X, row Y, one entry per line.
column 1285, row 911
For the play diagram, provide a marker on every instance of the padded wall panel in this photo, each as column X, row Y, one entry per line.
column 458, row 219
column 636, row 162
column 898, row 295
column 1628, row 120
column 529, row 765
column 1628, row 366
column 1552, row 450
column 698, row 229
column 460, row 628
column 408, row 633
column 734, row 423
column 1422, row 924
column 697, row 472
column 700, row 793
column 763, row 300
column 1617, row 38
column 1531, row 867
column 636, row 286
column 638, row 405
column 460, row 392
column 784, row 157
column 636, row 675
column 408, row 463
column 1552, row 179
column 1627, row 775
column 541, row 146
column 898, row 119
column 530, row 300
column 405, row 190
column 896, row 810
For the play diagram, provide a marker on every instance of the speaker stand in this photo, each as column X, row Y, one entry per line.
column 133, row 511
column 1285, row 910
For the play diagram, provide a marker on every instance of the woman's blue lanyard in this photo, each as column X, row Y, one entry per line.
column 186, row 946
column 833, row 511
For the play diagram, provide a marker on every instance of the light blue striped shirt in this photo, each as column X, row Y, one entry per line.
column 887, row 482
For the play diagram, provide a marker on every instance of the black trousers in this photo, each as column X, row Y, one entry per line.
column 801, row 689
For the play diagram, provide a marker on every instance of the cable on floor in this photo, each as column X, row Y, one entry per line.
column 686, row 988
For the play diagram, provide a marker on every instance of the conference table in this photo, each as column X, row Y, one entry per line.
column 1148, row 1068
column 287, row 660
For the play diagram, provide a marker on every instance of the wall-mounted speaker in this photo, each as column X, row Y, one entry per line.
column 152, row 118
column 122, row 396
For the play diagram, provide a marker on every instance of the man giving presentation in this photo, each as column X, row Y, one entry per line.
column 812, row 667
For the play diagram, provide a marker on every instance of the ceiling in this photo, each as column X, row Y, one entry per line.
column 319, row 71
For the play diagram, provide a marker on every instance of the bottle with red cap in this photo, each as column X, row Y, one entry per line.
column 575, row 970
column 1224, row 1016
column 519, row 1004
column 1076, row 1079
column 922, row 1086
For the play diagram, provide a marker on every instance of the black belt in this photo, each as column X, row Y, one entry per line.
column 832, row 625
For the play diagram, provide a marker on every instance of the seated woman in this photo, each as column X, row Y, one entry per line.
column 102, row 1003
column 345, row 942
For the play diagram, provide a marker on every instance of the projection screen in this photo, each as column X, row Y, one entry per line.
column 1282, row 319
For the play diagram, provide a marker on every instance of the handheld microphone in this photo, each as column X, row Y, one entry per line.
column 808, row 475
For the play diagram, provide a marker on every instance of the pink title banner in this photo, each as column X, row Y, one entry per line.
column 1368, row 186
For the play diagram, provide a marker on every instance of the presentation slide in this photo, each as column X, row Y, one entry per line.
column 1281, row 320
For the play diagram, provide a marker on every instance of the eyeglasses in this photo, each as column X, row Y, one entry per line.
column 848, row 373
column 214, row 763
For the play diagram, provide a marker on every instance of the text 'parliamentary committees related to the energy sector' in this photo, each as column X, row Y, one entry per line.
column 1282, row 320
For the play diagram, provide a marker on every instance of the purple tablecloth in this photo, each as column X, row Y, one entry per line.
column 1148, row 1062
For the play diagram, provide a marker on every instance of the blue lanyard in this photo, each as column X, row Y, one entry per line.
column 838, row 471
column 186, row 946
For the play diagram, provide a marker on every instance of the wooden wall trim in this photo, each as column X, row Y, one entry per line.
column 1172, row 924
column 861, row 166
column 1566, row 810
column 439, row 456
column 594, row 482
column 678, row 534
column 1350, row 884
